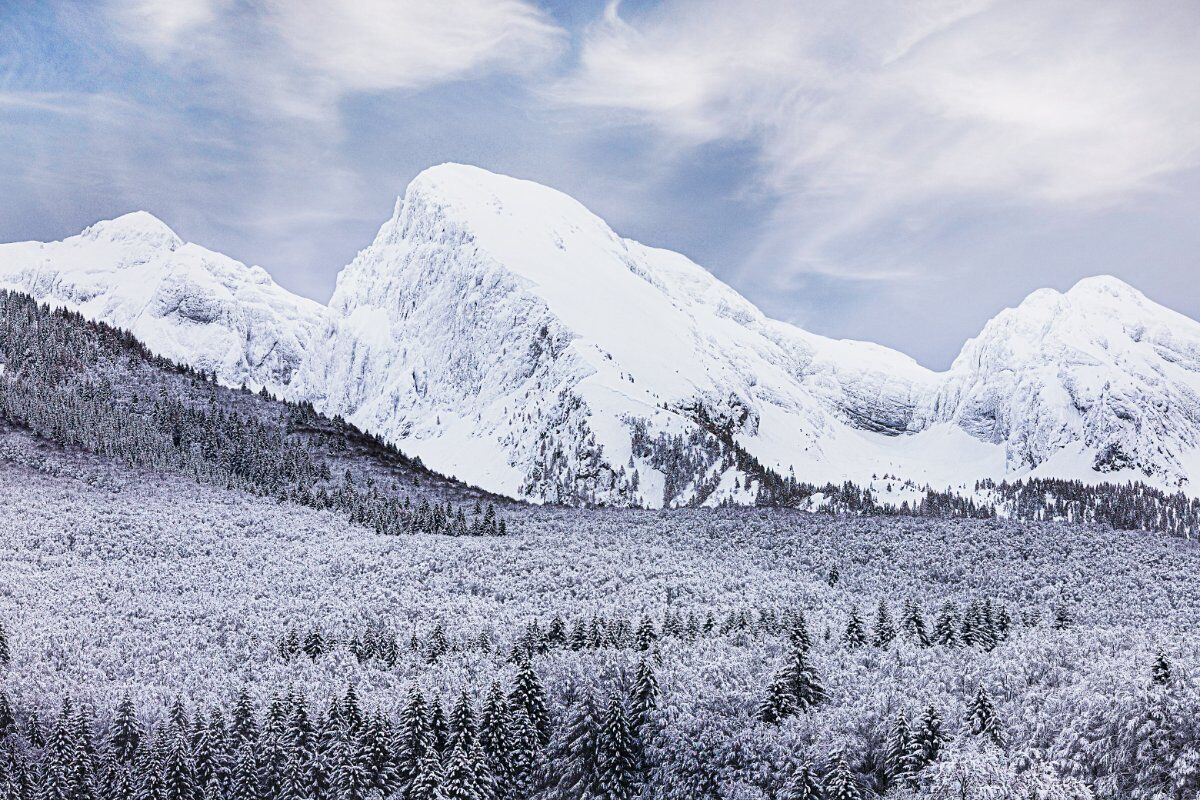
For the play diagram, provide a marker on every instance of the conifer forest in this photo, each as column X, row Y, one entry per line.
column 207, row 593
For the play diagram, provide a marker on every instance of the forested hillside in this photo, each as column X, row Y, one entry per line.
column 85, row 384
column 272, row 651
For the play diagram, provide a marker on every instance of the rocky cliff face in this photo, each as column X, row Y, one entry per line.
column 506, row 335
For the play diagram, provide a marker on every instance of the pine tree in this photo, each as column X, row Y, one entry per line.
column 840, row 783
column 856, row 634
column 930, row 738
column 802, row 785
column 885, row 630
column 981, row 717
column 523, row 754
column 618, row 758
column 5, row 651
column 834, row 575
column 244, row 781
column 529, row 695
column 245, row 728
column 1160, row 671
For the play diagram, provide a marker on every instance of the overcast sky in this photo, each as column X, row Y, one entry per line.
column 896, row 173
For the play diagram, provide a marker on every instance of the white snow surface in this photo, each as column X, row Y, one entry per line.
column 185, row 302
column 507, row 336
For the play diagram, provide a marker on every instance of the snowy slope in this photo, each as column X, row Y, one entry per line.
column 506, row 335
column 187, row 303
column 1097, row 379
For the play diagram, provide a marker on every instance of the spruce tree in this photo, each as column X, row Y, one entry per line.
column 5, row 651
column 856, row 633
column 981, row 717
column 126, row 734
column 840, row 783
column 903, row 758
column 779, row 702
column 178, row 780
column 930, row 737
column 574, row 752
column 458, row 781
column 885, row 631
column 945, row 631
column 529, row 695
column 644, row 699
column 914, row 623
column 618, row 758
column 802, row 785
column 427, row 780
column 1160, row 671
column 462, row 724
column 494, row 738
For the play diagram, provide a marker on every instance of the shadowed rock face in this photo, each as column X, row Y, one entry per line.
column 506, row 335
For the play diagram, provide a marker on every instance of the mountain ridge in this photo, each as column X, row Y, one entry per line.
column 505, row 334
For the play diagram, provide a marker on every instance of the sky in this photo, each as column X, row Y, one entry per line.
column 895, row 172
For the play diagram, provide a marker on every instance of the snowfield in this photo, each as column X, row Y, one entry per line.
column 506, row 335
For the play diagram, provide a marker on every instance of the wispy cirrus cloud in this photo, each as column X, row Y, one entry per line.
column 898, row 116
column 302, row 56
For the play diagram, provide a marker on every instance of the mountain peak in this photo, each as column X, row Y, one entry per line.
column 1105, row 286
column 136, row 226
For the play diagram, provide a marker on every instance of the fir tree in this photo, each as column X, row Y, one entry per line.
column 574, row 752
column 462, row 724
column 495, row 740
column 5, row 651
column 913, row 623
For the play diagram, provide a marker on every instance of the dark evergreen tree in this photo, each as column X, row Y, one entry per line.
column 618, row 757
column 945, row 630
column 885, row 630
column 856, row 633
column 1160, row 671
column 802, row 785
column 644, row 699
column 779, row 702
column 904, row 756
column 529, row 695
column 930, row 737
column 458, row 782
column 982, row 719
column 840, row 783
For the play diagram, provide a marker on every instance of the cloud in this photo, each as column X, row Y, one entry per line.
column 910, row 111
column 302, row 57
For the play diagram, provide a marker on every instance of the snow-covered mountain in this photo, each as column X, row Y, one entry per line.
column 506, row 335
column 187, row 303
column 1097, row 379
